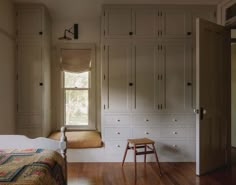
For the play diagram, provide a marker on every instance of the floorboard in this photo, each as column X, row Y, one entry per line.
column 174, row 174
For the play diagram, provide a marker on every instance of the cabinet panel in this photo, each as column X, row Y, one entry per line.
column 117, row 120
column 118, row 22
column 144, row 74
column 177, row 79
column 175, row 23
column 117, row 90
column 140, row 132
column 118, row 132
column 29, row 22
column 144, row 23
column 29, row 76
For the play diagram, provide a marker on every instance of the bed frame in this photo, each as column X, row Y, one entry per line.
column 23, row 142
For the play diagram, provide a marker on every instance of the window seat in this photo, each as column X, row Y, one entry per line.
column 80, row 139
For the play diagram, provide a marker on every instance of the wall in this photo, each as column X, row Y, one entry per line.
column 7, row 69
column 89, row 32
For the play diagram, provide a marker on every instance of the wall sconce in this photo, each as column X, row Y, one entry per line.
column 73, row 31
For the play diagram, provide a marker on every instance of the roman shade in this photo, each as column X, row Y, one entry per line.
column 76, row 60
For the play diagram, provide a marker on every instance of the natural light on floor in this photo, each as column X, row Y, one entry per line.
column 76, row 92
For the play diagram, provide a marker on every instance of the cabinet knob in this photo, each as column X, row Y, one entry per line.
column 189, row 33
column 118, row 133
column 118, row 146
column 147, row 120
column 131, row 84
column 175, row 132
column 118, row 120
column 131, row 33
column 40, row 33
column 41, row 84
column 147, row 133
column 189, row 84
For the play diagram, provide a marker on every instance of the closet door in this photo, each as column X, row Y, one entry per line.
column 174, row 23
column 29, row 83
column 144, row 71
column 144, row 25
column 117, row 82
column 176, row 80
column 118, row 22
column 29, row 23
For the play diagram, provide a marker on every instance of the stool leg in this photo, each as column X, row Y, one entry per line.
column 127, row 147
column 135, row 167
column 154, row 149
column 145, row 151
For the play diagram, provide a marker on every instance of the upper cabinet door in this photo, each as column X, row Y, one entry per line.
column 176, row 80
column 173, row 23
column 118, row 22
column 144, row 22
column 29, row 23
column 117, row 84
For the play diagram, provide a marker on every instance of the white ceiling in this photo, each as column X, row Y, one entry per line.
column 71, row 9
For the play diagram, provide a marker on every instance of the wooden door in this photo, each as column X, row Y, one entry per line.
column 117, row 82
column 175, row 76
column 118, row 22
column 144, row 71
column 144, row 25
column 213, row 101
column 174, row 23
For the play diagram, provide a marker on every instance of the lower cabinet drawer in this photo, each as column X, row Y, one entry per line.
column 176, row 150
column 141, row 132
column 115, row 146
column 118, row 132
column 174, row 132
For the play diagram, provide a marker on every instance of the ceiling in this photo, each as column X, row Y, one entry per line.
column 72, row 9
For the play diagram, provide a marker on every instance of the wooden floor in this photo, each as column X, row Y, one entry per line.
column 174, row 174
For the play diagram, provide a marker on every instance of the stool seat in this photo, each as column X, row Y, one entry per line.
column 140, row 143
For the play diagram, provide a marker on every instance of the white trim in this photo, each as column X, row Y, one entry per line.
column 221, row 8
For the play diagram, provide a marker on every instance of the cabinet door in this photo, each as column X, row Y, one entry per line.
column 144, row 25
column 144, row 67
column 176, row 69
column 29, row 70
column 118, row 22
column 174, row 23
column 29, row 23
column 117, row 78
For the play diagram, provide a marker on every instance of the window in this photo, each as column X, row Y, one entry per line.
column 78, row 96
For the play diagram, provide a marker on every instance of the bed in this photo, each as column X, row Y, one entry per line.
column 39, row 161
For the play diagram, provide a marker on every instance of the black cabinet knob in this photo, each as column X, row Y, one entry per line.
column 131, row 33
column 189, row 84
column 40, row 33
column 189, row 33
column 131, row 84
column 41, row 83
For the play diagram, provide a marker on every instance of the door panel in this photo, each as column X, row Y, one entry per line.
column 144, row 70
column 144, row 23
column 118, row 91
column 118, row 22
column 175, row 23
column 29, row 76
column 213, row 96
column 176, row 93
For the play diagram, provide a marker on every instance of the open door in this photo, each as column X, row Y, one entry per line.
column 213, row 102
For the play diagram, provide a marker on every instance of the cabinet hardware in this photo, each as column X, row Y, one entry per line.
column 158, row 106
column 147, row 133
column 118, row 120
column 189, row 33
column 104, row 107
column 131, row 33
column 147, row 120
column 40, row 33
column 118, row 133
column 131, row 84
column 189, row 84
column 175, row 146
column 174, row 120
column 118, row 146
column 161, row 106
column 175, row 133
column 104, row 77
column 41, row 84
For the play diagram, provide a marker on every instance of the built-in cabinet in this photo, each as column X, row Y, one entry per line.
column 33, row 71
column 148, row 79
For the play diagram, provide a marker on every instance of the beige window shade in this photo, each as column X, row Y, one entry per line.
column 76, row 60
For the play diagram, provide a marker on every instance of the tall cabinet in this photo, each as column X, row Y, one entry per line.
column 148, row 77
column 33, row 70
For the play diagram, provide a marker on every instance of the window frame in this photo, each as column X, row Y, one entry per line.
column 92, row 89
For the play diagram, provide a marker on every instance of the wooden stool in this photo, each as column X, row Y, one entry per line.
column 141, row 143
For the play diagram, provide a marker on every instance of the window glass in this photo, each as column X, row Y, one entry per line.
column 76, row 80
